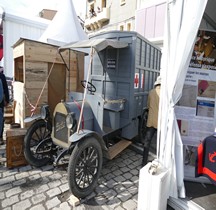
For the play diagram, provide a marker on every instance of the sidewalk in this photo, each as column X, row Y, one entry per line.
column 47, row 187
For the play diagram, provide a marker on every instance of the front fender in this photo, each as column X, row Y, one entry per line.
column 32, row 118
column 85, row 133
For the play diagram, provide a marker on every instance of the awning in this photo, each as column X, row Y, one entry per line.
column 97, row 44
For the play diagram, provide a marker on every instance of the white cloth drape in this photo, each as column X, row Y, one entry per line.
column 182, row 23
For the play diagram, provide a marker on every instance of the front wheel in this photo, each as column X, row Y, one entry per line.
column 84, row 167
column 38, row 143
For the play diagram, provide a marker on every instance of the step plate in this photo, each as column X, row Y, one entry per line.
column 117, row 148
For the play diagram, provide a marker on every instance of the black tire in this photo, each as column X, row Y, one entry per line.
column 143, row 126
column 84, row 167
column 37, row 132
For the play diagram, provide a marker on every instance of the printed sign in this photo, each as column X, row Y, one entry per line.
column 111, row 63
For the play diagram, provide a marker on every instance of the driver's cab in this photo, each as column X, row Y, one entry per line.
column 122, row 69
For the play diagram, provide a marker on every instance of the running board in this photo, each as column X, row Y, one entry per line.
column 117, row 148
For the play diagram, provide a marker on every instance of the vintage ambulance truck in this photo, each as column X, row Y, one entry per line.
column 106, row 117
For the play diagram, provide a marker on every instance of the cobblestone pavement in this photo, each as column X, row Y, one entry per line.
column 47, row 187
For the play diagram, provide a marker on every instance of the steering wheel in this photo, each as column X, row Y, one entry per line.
column 90, row 87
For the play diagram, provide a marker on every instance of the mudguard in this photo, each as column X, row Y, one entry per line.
column 32, row 118
column 84, row 133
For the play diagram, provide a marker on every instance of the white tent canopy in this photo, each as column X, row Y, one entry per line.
column 65, row 26
column 183, row 20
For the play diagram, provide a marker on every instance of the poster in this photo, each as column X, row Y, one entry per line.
column 195, row 110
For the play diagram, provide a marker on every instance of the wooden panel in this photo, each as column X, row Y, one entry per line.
column 35, row 71
column 56, row 86
column 19, row 50
column 14, row 147
column 32, row 68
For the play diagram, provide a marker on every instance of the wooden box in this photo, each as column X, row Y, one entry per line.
column 39, row 70
column 14, row 147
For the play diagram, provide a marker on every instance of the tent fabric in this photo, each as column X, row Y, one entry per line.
column 65, row 26
column 182, row 22
column 97, row 44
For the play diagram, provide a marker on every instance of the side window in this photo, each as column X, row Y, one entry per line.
column 128, row 26
column 121, row 28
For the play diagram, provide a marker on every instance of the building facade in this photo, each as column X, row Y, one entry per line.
column 105, row 15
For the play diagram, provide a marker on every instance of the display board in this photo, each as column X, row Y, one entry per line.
column 195, row 110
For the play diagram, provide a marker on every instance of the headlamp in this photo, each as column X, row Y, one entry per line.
column 70, row 120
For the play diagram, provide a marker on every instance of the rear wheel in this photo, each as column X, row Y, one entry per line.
column 38, row 143
column 84, row 167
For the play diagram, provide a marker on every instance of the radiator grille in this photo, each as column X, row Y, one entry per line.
column 60, row 129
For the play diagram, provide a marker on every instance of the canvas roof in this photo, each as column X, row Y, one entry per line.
column 97, row 44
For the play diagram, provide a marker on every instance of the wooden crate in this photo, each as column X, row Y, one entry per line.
column 33, row 62
column 14, row 147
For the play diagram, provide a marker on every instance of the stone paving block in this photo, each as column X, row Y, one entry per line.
column 119, row 188
column 47, row 168
column 121, row 164
column 63, row 206
column 100, row 199
column 5, row 187
column 42, row 188
column 22, row 175
column 133, row 189
column 101, row 188
column 46, row 173
column 135, row 179
column 7, row 180
column 124, row 196
column 53, row 184
column 22, row 205
column 119, row 179
column 74, row 201
column 38, row 198
column 64, row 187
column 120, row 208
column 26, row 194
column 19, row 182
column 127, row 183
column 109, row 176
column 38, row 207
column 34, row 177
column 111, row 183
column 127, row 175
column 35, row 171
column 117, row 172
column 52, row 203
column 113, row 203
column 10, row 201
column 13, row 191
column 2, row 195
column 55, row 176
column 64, row 179
column 25, row 168
column 131, row 203
column 10, row 172
column 110, row 194
column 135, row 172
column 124, row 169
column 53, row 192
